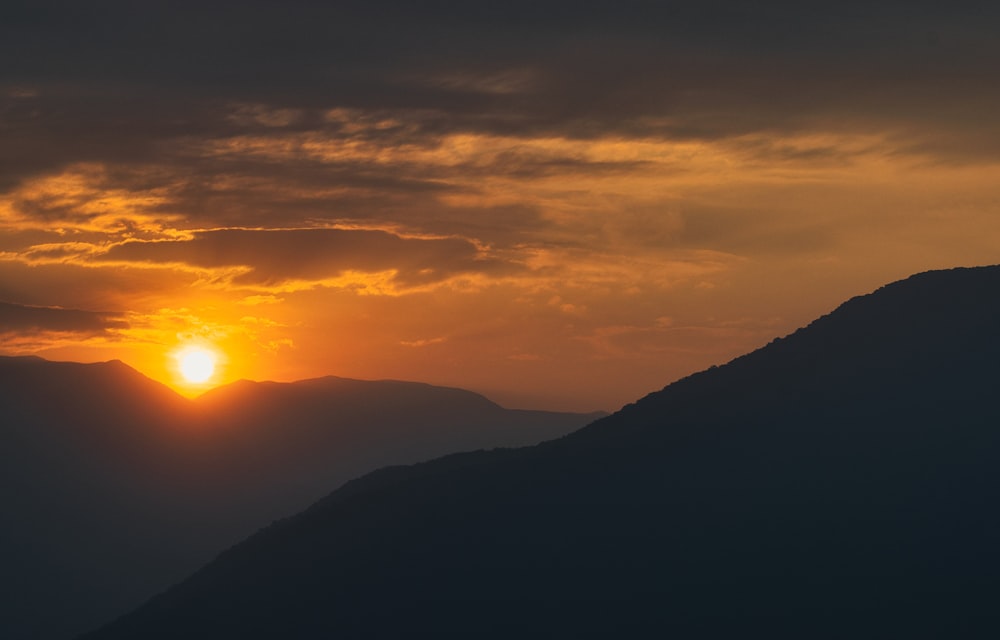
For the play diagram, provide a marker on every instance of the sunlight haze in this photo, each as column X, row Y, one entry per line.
column 567, row 223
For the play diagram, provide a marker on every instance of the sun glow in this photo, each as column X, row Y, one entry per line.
column 196, row 364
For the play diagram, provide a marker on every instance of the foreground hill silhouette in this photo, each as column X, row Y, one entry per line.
column 840, row 482
column 112, row 486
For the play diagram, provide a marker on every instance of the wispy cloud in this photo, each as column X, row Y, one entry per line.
column 270, row 256
column 526, row 178
column 32, row 320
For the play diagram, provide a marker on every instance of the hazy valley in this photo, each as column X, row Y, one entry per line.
column 114, row 486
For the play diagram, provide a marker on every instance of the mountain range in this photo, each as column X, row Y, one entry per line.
column 113, row 486
column 842, row 481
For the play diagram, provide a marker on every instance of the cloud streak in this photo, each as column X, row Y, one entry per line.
column 30, row 320
column 124, row 93
column 269, row 257
column 537, row 182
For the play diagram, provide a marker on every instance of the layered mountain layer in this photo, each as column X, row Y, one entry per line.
column 839, row 482
column 113, row 486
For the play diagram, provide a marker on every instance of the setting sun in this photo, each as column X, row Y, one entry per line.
column 196, row 364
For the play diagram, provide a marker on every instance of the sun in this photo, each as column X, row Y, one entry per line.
column 196, row 364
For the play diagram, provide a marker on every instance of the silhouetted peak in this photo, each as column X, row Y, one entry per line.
column 115, row 365
column 331, row 388
column 841, row 478
column 934, row 314
column 111, row 385
column 22, row 359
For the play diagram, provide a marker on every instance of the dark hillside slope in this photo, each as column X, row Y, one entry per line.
column 285, row 445
column 113, row 487
column 840, row 482
column 85, row 514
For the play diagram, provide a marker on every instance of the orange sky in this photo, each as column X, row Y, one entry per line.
column 564, row 227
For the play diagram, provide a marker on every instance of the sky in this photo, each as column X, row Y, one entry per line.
column 562, row 205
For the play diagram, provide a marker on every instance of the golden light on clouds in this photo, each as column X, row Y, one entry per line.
column 508, row 275
column 510, row 247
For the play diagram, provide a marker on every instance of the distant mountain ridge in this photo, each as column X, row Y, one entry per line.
column 839, row 482
column 112, row 485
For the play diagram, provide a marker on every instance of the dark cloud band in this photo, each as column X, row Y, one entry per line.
column 26, row 319
column 117, row 84
column 275, row 256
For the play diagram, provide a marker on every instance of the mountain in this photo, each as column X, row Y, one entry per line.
column 113, row 487
column 282, row 446
column 83, row 449
column 840, row 482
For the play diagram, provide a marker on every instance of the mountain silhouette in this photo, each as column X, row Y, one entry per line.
column 840, row 482
column 113, row 486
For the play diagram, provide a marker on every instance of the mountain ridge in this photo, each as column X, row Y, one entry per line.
column 114, row 485
column 839, row 481
column 317, row 381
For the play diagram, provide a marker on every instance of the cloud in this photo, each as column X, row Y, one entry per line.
column 269, row 257
column 583, row 167
column 422, row 342
column 112, row 86
column 252, row 301
column 29, row 320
